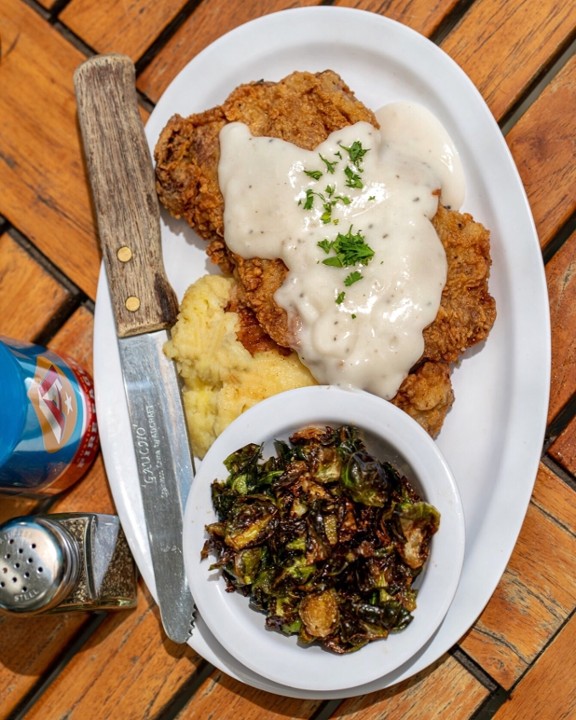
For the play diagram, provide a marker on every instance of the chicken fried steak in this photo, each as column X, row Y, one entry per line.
column 304, row 109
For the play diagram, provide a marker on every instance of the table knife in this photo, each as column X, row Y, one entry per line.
column 145, row 307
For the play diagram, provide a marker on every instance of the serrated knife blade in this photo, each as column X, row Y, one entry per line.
column 145, row 307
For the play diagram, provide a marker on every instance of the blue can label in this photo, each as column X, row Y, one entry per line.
column 54, row 401
column 60, row 437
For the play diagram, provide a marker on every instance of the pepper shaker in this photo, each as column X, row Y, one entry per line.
column 64, row 562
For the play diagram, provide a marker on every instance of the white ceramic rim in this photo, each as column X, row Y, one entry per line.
column 493, row 436
column 241, row 630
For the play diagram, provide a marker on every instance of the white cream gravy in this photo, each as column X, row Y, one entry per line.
column 368, row 334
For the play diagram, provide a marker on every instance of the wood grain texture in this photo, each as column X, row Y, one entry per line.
column 207, row 23
column 226, row 699
column 29, row 295
column 422, row 15
column 556, row 499
column 212, row 19
column 76, row 338
column 563, row 449
column 43, row 190
column 125, row 27
column 536, row 595
column 446, row 689
column 548, row 690
column 541, row 142
column 124, row 670
column 526, row 635
column 124, row 193
column 502, row 46
column 561, row 280
column 48, row 4
column 28, row 648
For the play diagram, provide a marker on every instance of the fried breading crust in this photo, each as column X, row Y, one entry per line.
column 426, row 395
column 304, row 108
column 467, row 310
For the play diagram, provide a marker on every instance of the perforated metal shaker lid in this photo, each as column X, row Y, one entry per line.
column 39, row 564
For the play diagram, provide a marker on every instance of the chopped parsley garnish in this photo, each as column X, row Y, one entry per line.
column 353, row 180
column 349, row 249
column 355, row 152
column 309, row 202
column 352, row 278
column 328, row 202
column 352, row 173
column 330, row 166
column 346, row 249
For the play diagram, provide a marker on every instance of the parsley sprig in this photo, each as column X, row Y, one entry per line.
column 347, row 250
column 355, row 152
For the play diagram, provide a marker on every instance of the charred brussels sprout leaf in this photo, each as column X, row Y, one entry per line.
column 249, row 522
column 366, row 479
column 320, row 613
column 323, row 538
column 418, row 523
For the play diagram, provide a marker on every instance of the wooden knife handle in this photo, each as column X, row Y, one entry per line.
column 123, row 190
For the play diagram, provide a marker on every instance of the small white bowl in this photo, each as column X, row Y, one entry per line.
column 390, row 434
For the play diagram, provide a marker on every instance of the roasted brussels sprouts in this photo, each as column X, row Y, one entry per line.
column 323, row 538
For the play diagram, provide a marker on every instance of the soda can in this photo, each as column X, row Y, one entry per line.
column 48, row 428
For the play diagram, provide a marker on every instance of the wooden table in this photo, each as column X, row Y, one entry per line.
column 518, row 660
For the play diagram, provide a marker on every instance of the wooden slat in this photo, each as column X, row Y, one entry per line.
column 127, row 27
column 541, row 143
column 561, row 277
column 43, row 191
column 29, row 294
column 124, row 671
column 128, row 669
column 555, row 498
column 503, row 46
column 536, row 594
column 212, row 19
column 226, row 699
column 446, row 689
column 28, row 648
column 548, row 690
column 75, row 338
column 208, row 22
column 422, row 15
column 563, row 450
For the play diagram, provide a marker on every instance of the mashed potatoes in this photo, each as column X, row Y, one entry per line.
column 221, row 378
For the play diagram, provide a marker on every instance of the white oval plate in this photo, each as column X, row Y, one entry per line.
column 492, row 438
column 240, row 629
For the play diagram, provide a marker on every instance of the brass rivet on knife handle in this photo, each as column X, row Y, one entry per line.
column 129, row 229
